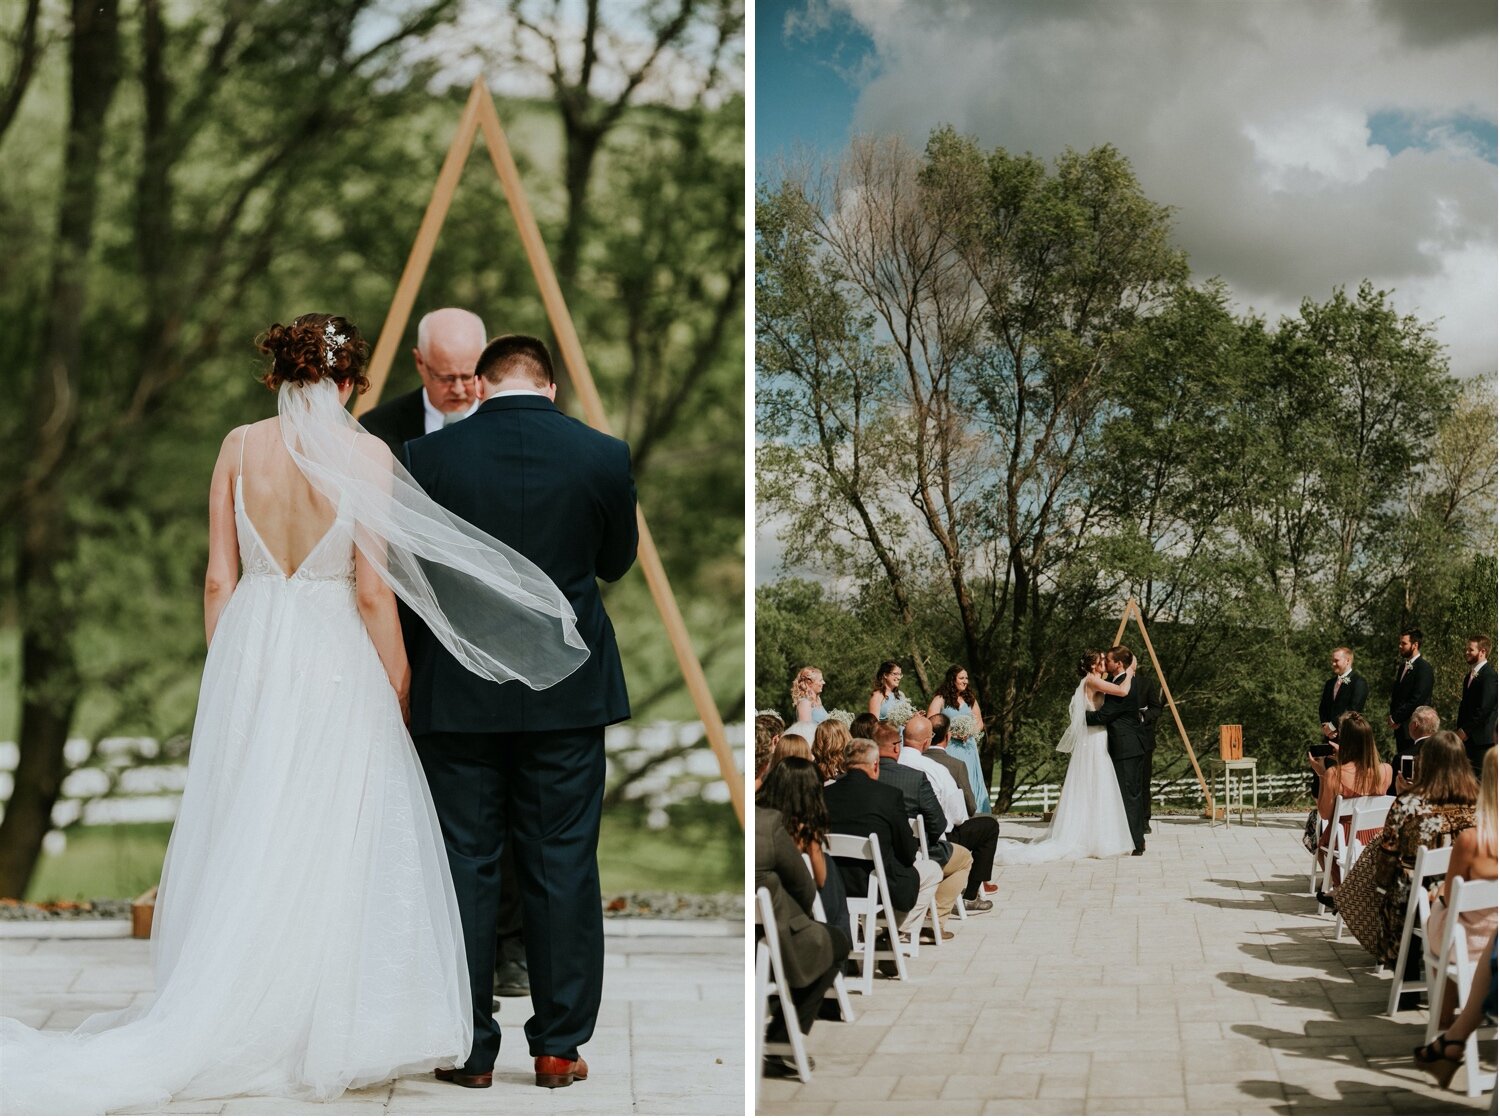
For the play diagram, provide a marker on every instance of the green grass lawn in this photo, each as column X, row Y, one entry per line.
column 701, row 852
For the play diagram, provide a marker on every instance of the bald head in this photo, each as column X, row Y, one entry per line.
column 918, row 733
column 449, row 342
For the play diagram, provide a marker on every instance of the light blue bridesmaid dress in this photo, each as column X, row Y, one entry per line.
column 967, row 751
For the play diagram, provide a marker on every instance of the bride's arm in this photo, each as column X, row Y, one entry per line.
column 223, row 572
column 1107, row 687
column 377, row 605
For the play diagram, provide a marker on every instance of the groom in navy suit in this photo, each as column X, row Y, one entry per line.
column 1129, row 742
column 503, row 759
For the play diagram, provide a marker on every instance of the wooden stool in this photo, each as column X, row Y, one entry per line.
column 1239, row 767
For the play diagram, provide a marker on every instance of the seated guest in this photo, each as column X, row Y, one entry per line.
column 768, row 729
column 1355, row 770
column 863, row 725
column 944, row 787
column 828, row 747
column 858, row 804
column 1445, row 1054
column 1423, row 724
column 1473, row 859
column 791, row 745
column 812, row 953
column 1439, row 805
column 980, row 835
column 794, row 787
column 919, row 800
column 938, row 751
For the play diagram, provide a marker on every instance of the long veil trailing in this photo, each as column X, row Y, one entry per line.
column 491, row 607
column 1077, row 727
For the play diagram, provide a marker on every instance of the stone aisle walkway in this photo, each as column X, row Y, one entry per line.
column 1193, row 980
column 671, row 1036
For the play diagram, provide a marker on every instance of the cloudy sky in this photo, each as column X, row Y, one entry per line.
column 1303, row 146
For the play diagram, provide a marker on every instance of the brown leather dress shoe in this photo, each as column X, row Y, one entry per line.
column 463, row 1078
column 559, row 1071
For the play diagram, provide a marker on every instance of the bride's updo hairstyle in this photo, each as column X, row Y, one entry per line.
column 315, row 346
column 1087, row 661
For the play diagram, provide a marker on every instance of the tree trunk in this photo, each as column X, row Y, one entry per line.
column 49, row 680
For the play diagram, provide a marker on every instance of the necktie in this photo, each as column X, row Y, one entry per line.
column 1406, row 667
column 1338, row 682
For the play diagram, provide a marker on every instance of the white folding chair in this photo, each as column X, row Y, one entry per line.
column 778, row 985
column 919, row 829
column 866, row 912
column 1451, row 963
column 1429, row 863
column 1361, row 819
column 1334, row 852
column 764, row 988
column 839, row 991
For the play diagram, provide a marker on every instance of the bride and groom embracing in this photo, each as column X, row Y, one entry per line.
column 1101, row 811
column 327, row 909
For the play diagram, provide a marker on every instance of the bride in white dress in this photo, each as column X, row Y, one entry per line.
column 1089, row 821
column 307, row 939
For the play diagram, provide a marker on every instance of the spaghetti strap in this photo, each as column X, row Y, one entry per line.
column 244, row 438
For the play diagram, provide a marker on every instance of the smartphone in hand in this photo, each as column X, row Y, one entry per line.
column 1408, row 767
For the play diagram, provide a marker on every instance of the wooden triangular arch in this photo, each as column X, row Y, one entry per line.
column 1133, row 609
column 479, row 116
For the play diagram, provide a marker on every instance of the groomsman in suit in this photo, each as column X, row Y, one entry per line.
column 505, row 763
column 449, row 342
column 1412, row 688
column 1343, row 691
column 1476, row 710
column 1121, row 714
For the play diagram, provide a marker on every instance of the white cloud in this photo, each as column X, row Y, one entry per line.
column 1251, row 120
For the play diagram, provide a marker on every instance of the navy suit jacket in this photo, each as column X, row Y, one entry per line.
column 1476, row 710
column 562, row 495
column 1128, row 735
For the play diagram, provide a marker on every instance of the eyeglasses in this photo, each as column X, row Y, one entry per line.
column 464, row 379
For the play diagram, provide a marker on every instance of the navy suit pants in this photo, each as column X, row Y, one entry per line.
column 544, row 792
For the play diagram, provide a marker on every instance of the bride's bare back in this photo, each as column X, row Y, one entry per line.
column 289, row 515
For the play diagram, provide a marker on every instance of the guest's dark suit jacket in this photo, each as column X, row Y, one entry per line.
column 397, row 421
column 1406, row 696
column 919, row 798
column 1351, row 696
column 956, row 769
column 860, row 806
column 806, row 946
column 562, row 495
column 1476, row 710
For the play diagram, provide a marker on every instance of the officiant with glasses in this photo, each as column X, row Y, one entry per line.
column 449, row 342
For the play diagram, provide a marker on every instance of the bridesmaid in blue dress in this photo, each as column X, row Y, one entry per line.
column 807, row 696
column 956, row 697
column 887, row 688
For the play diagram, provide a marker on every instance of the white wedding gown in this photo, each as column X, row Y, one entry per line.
column 307, row 939
column 1089, row 821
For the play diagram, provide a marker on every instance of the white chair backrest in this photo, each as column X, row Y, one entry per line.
column 855, row 847
column 1431, row 861
column 919, row 832
column 1472, row 896
column 818, row 911
column 1368, row 818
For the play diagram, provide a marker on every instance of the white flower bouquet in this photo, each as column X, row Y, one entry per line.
column 900, row 713
column 839, row 715
column 963, row 727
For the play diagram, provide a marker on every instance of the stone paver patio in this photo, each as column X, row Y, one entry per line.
column 671, row 1036
column 1194, row 980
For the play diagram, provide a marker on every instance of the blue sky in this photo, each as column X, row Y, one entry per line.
column 806, row 82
